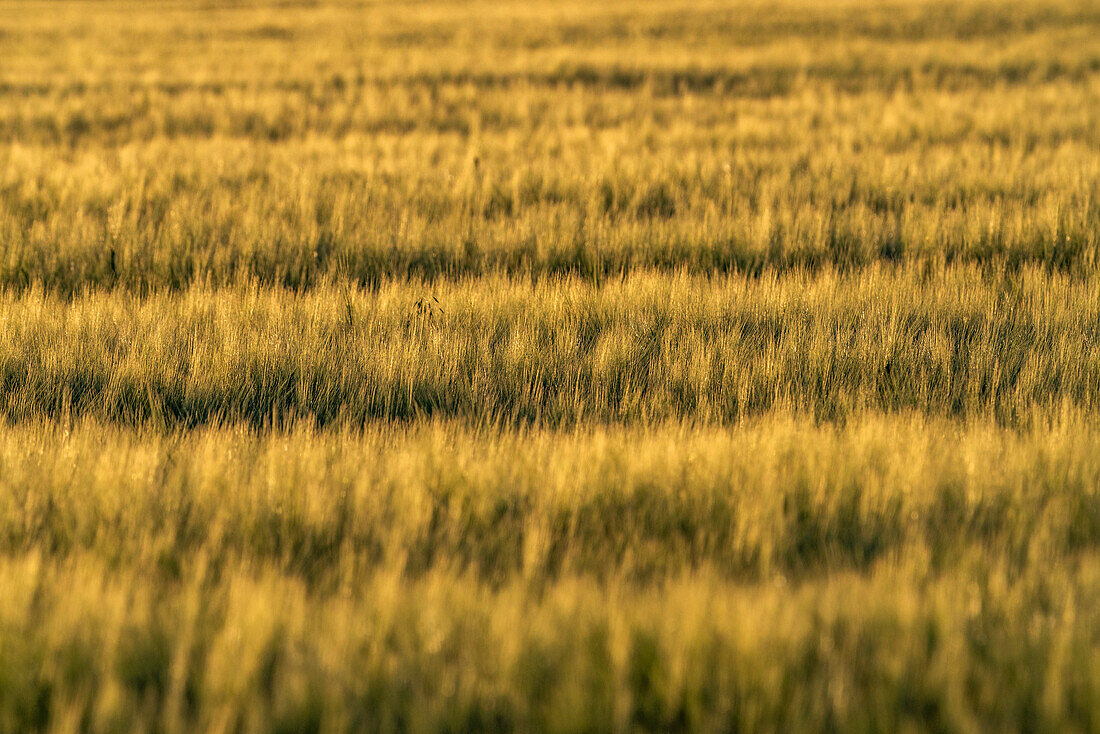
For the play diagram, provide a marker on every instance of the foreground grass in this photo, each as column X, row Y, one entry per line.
column 95, row 646
column 776, row 497
column 896, row 572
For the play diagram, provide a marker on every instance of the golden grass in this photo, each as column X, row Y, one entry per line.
column 549, row 366
column 645, row 348
column 892, row 573
column 172, row 144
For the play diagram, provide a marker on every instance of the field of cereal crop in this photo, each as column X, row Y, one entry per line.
column 491, row 365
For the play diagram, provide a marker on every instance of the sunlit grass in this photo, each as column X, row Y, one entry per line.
column 549, row 366
column 776, row 575
column 645, row 348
